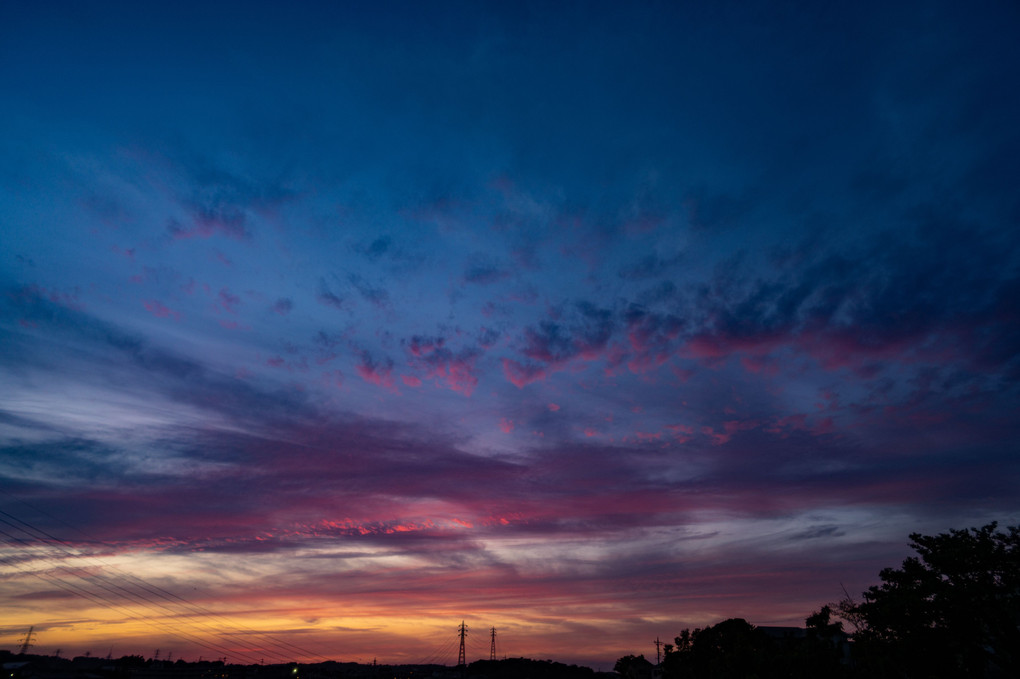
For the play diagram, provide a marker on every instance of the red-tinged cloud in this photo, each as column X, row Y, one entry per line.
column 228, row 301
column 128, row 253
column 379, row 373
column 410, row 381
column 158, row 310
column 210, row 221
column 681, row 433
column 763, row 365
column 455, row 369
column 31, row 294
column 506, row 425
column 648, row 435
column 521, row 375
column 652, row 338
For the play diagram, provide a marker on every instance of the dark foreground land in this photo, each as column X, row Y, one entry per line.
column 136, row 667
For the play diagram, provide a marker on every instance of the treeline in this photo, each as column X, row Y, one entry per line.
column 953, row 610
column 525, row 668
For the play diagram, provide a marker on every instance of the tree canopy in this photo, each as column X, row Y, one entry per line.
column 953, row 610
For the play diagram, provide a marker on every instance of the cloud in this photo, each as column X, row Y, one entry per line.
column 228, row 301
column 283, row 306
column 378, row 247
column 522, row 374
column 456, row 369
column 376, row 296
column 649, row 266
column 583, row 332
column 329, row 298
column 376, row 372
column 158, row 310
column 483, row 270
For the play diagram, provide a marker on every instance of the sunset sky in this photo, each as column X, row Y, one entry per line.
column 342, row 323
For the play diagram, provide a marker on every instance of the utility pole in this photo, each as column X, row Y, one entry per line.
column 461, row 659
column 658, row 657
column 492, row 645
column 26, row 643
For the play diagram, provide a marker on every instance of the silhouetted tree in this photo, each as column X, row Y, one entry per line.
column 952, row 611
column 822, row 651
column 730, row 649
column 633, row 667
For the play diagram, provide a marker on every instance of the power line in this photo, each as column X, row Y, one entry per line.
column 103, row 602
column 145, row 600
column 169, row 596
column 442, row 654
column 118, row 591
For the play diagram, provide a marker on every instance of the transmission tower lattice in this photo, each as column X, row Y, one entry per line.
column 492, row 645
column 461, row 657
column 26, row 643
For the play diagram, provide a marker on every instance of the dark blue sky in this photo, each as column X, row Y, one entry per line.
column 590, row 322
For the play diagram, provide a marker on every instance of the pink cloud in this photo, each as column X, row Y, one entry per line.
column 682, row 374
column 456, row 370
column 522, row 375
column 506, row 425
column 228, row 301
column 826, row 426
column 759, row 364
column 553, row 407
column 158, row 310
column 423, row 346
column 379, row 374
column 410, row 380
column 717, row 439
column 648, row 436
column 207, row 222
column 69, row 299
column 682, row 433
column 129, row 253
column 784, row 426
column 705, row 347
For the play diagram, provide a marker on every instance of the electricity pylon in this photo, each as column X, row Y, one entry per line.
column 492, row 645
column 461, row 658
column 26, row 643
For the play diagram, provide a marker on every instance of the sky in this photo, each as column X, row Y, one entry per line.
column 326, row 327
